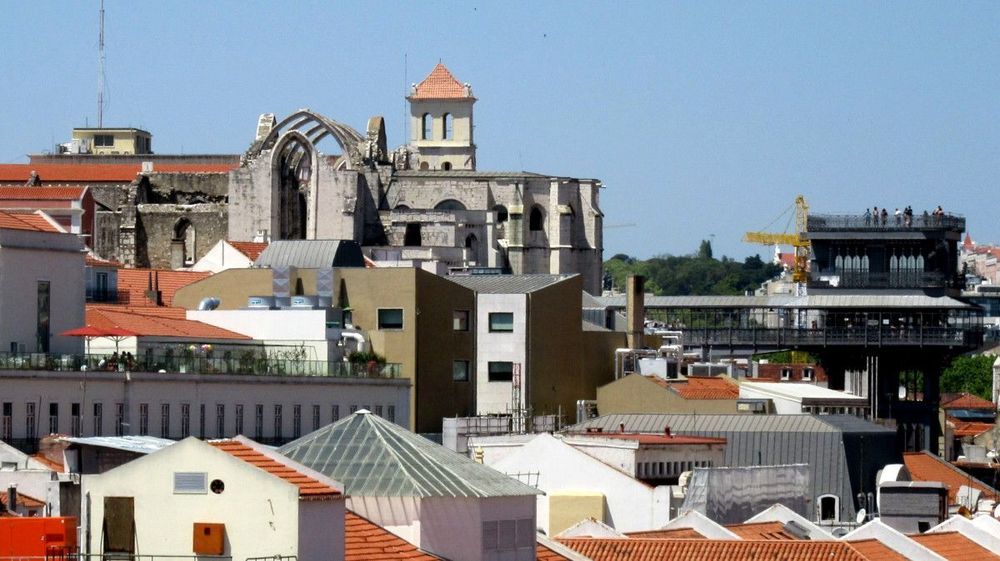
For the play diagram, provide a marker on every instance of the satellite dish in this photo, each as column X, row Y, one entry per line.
column 860, row 518
column 902, row 392
column 996, row 511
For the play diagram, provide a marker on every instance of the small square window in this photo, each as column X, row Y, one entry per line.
column 786, row 373
column 807, row 374
column 501, row 371
column 460, row 371
column 390, row 318
column 502, row 322
column 460, row 320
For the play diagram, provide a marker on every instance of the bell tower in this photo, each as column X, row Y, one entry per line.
column 441, row 122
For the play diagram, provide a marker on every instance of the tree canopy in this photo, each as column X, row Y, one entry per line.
column 971, row 374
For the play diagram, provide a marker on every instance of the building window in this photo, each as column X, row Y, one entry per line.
column 296, row 421
column 501, row 371
column 53, row 418
column 120, row 419
column 786, row 374
column 354, row 409
column 460, row 371
column 502, row 214
column 277, row 422
column 378, row 410
column 501, row 535
column 411, row 236
column 75, row 420
column 8, row 421
column 828, row 508
column 29, row 420
column 238, row 420
column 536, row 220
column 143, row 419
column 390, row 318
column 315, row 417
column 98, row 419
column 460, row 320
column 185, row 420
column 501, row 322
column 448, row 127
column 42, row 343
column 164, row 420
column 220, row 420
column 807, row 374
column 334, row 413
column 201, row 420
column 104, row 140
column 258, row 422
column 426, row 126
column 390, row 413
column 446, row 166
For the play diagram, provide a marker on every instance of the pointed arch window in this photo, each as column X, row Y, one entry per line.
column 536, row 221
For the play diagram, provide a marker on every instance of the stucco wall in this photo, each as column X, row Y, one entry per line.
column 495, row 397
column 635, row 394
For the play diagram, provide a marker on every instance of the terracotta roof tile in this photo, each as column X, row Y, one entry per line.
column 761, row 531
column 49, row 463
column 366, row 541
column 136, row 281
column 970, row 428
column 24, row 500
column 251, row 249
column 440, row 84
column 924, row 466
column 97, row 173
column 94, row 261
column 671, row 534
column 876, row 550
column 954, row 546
column 967, row 401
column 309, row 488
column 156, row 322
column 632, row 549
column 544, row 553
column 31, row 221
column 41, row 193
column 700, row 387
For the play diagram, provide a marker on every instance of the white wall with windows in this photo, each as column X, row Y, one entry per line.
column 501, row 339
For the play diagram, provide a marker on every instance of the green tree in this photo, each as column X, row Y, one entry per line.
column 972, row 374
column 705, row 250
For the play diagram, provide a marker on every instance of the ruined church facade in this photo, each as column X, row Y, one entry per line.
column 423, row 202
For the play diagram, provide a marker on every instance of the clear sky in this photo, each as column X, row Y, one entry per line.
column 703, row 119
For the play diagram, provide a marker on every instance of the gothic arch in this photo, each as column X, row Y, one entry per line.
column 450, row 204
column 314, row 128
column 293, row 159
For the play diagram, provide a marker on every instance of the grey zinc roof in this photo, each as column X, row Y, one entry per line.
column 311, row 254
column 918, row 301
column 507, row 284
column 841, row 450
column 137, row 444
column 373, row 457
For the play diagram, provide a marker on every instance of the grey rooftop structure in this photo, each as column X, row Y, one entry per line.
column 136, row 444
column 823, row 301
column 507, row 284
column 374, row 457
column 843, row 452
column 311, row 254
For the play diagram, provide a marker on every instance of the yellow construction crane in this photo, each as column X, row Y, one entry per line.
column 798, row 240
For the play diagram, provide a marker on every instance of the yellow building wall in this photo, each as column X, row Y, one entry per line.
column 566, row 508
column 636, row 394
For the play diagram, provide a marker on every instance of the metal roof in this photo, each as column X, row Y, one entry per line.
column 841, row 450
column 374, row 457
column 507, row 284
column 137, row 444
column 311, row 254
column 912, row 301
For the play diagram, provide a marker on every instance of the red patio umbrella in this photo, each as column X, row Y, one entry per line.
column 116, row 334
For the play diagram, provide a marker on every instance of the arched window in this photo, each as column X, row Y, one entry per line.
column 829, row 510
column 426, row 127
column 424, row 166
column 446, row 166
column 184, row 238
column 449, row 204
column 401, row 207
column 448, row 122
column 502, row 215
column 471, row 242
column 536, row 221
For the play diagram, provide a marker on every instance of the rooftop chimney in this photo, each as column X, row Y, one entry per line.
column 635, row 310
column 621, row 427
column 666, row 430
column 12, row 498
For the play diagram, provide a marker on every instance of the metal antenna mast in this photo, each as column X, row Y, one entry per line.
column 100, row 74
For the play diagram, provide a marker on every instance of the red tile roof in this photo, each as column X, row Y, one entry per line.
column 42, row 193
column 761, row 531
column 954, row 546
column 924, row 466
column 700, row 387
column 544, row 553
column 970, row 428
column 967, row 401
column 671, row 534
column 156, row 322
column 136, row 281
column 251, row 249
column 440, row 84
column 98, row 173
column 94, row 261
column 47, row 462
column 33, row 221
column 309, row 488
column 631, row 549
column 366, row 541
column 26, row 501
column 876, row 550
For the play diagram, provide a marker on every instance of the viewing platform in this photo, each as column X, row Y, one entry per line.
column 861, row 223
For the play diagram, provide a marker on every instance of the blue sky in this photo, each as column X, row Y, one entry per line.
column 703, row 119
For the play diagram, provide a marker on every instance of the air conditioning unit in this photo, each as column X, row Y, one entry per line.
column 304, row 301
column 261, row 303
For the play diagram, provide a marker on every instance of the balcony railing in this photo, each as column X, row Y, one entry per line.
column 903, row 278
column 837, row 222
column 877, row 336
column 252, row 366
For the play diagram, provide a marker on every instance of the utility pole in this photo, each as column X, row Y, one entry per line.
column 100, row 73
